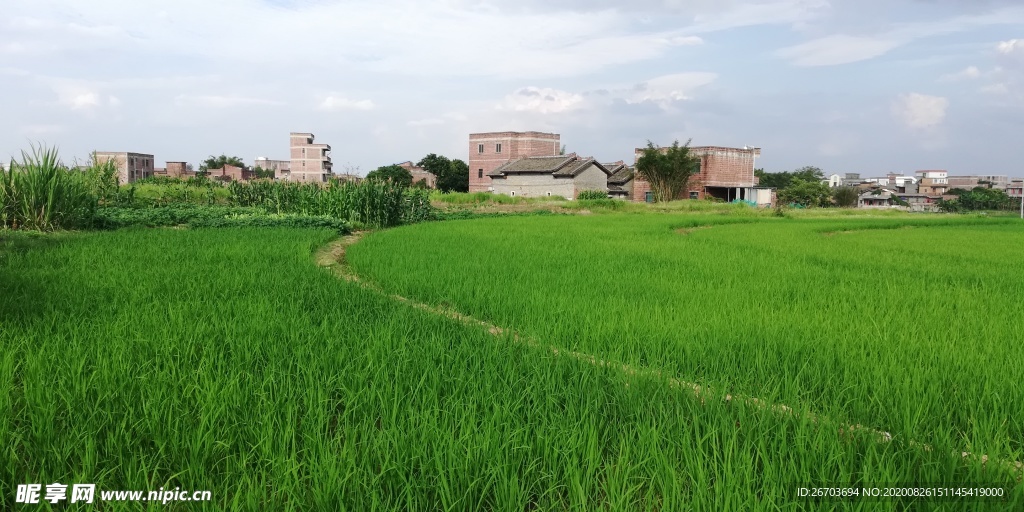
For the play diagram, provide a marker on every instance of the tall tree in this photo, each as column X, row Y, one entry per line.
column 668, row 170
column 395, row 174
column 845, row 197
column 218, row 162
column 452, row 175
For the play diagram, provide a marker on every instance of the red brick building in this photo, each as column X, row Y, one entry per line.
column 488, row 151
column 725, row 173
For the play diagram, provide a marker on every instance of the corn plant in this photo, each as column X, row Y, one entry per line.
column 41, row 193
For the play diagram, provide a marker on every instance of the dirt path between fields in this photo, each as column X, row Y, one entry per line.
column 332, row 257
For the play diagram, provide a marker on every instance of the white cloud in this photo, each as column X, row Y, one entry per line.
column 544, row 100
column 1010, row 47
column 968, row 73
column 920, row 111
column 215, row 101
column 77, row 98
column 837, row 49
column 843, row 48
column 668, row 88
column 342, row 103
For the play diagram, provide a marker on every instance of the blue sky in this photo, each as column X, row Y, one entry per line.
column 868, row 86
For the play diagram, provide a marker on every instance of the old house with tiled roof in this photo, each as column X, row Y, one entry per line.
column 546, row 176
column 620, row 180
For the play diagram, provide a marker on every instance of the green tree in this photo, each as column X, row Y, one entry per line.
column 781, row 180
column 845, row 197
column 452, row 175
column 393, row 173
column 668, row 170
column 260, row 172
column 218, row 162
column 806, row 193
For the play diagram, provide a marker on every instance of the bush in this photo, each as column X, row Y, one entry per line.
column 41, row 193
column 592, row 194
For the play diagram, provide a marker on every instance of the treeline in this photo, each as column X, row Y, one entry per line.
column 978, row 199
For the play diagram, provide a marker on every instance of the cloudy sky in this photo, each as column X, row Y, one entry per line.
column 868, row 86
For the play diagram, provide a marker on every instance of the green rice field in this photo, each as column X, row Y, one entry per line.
column 629, row 361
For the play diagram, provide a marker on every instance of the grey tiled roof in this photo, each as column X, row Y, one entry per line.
column 538, row 164
column 561, row 166
column 621, row 176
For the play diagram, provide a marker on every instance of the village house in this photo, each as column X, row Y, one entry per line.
column 309, row 162
column 281, row 168
column 488, row 151
column 879, row 198
column 230, row 173
column 725, row 173
column 932, row 183
column 547, row 176
column 620, row 180
column 130, row 166
column 419, row 174
column 920, row 202
column 174, row 170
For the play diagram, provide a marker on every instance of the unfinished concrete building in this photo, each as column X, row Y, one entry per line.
column 725, row 173
column 309, row 162
column 130, row 166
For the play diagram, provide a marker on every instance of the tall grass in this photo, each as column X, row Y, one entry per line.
column 41, row 193
column 372, row 203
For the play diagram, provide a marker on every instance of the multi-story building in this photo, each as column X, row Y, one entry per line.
column 309, row 162
column 932, row 183
column 281, row 168
column 130, row 166
column 1015, row 188
column 725, row 173
column 488, row 151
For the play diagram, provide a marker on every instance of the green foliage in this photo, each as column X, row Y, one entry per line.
column 218, row 162
column 41, row 193
column 261, row 173
column 592, row 194
column 978, row 199
column 845, row 197
column 781, row 180
column 102, row 179
column 452, row 175
column 668, row 170
column 809, row 194
column 370, row 202
column 395, row 174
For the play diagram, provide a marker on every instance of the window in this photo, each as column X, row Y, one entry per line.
column 694, row 194
column 479, row 148
column 512, row 193
column 497, row 148
column 480, row 173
